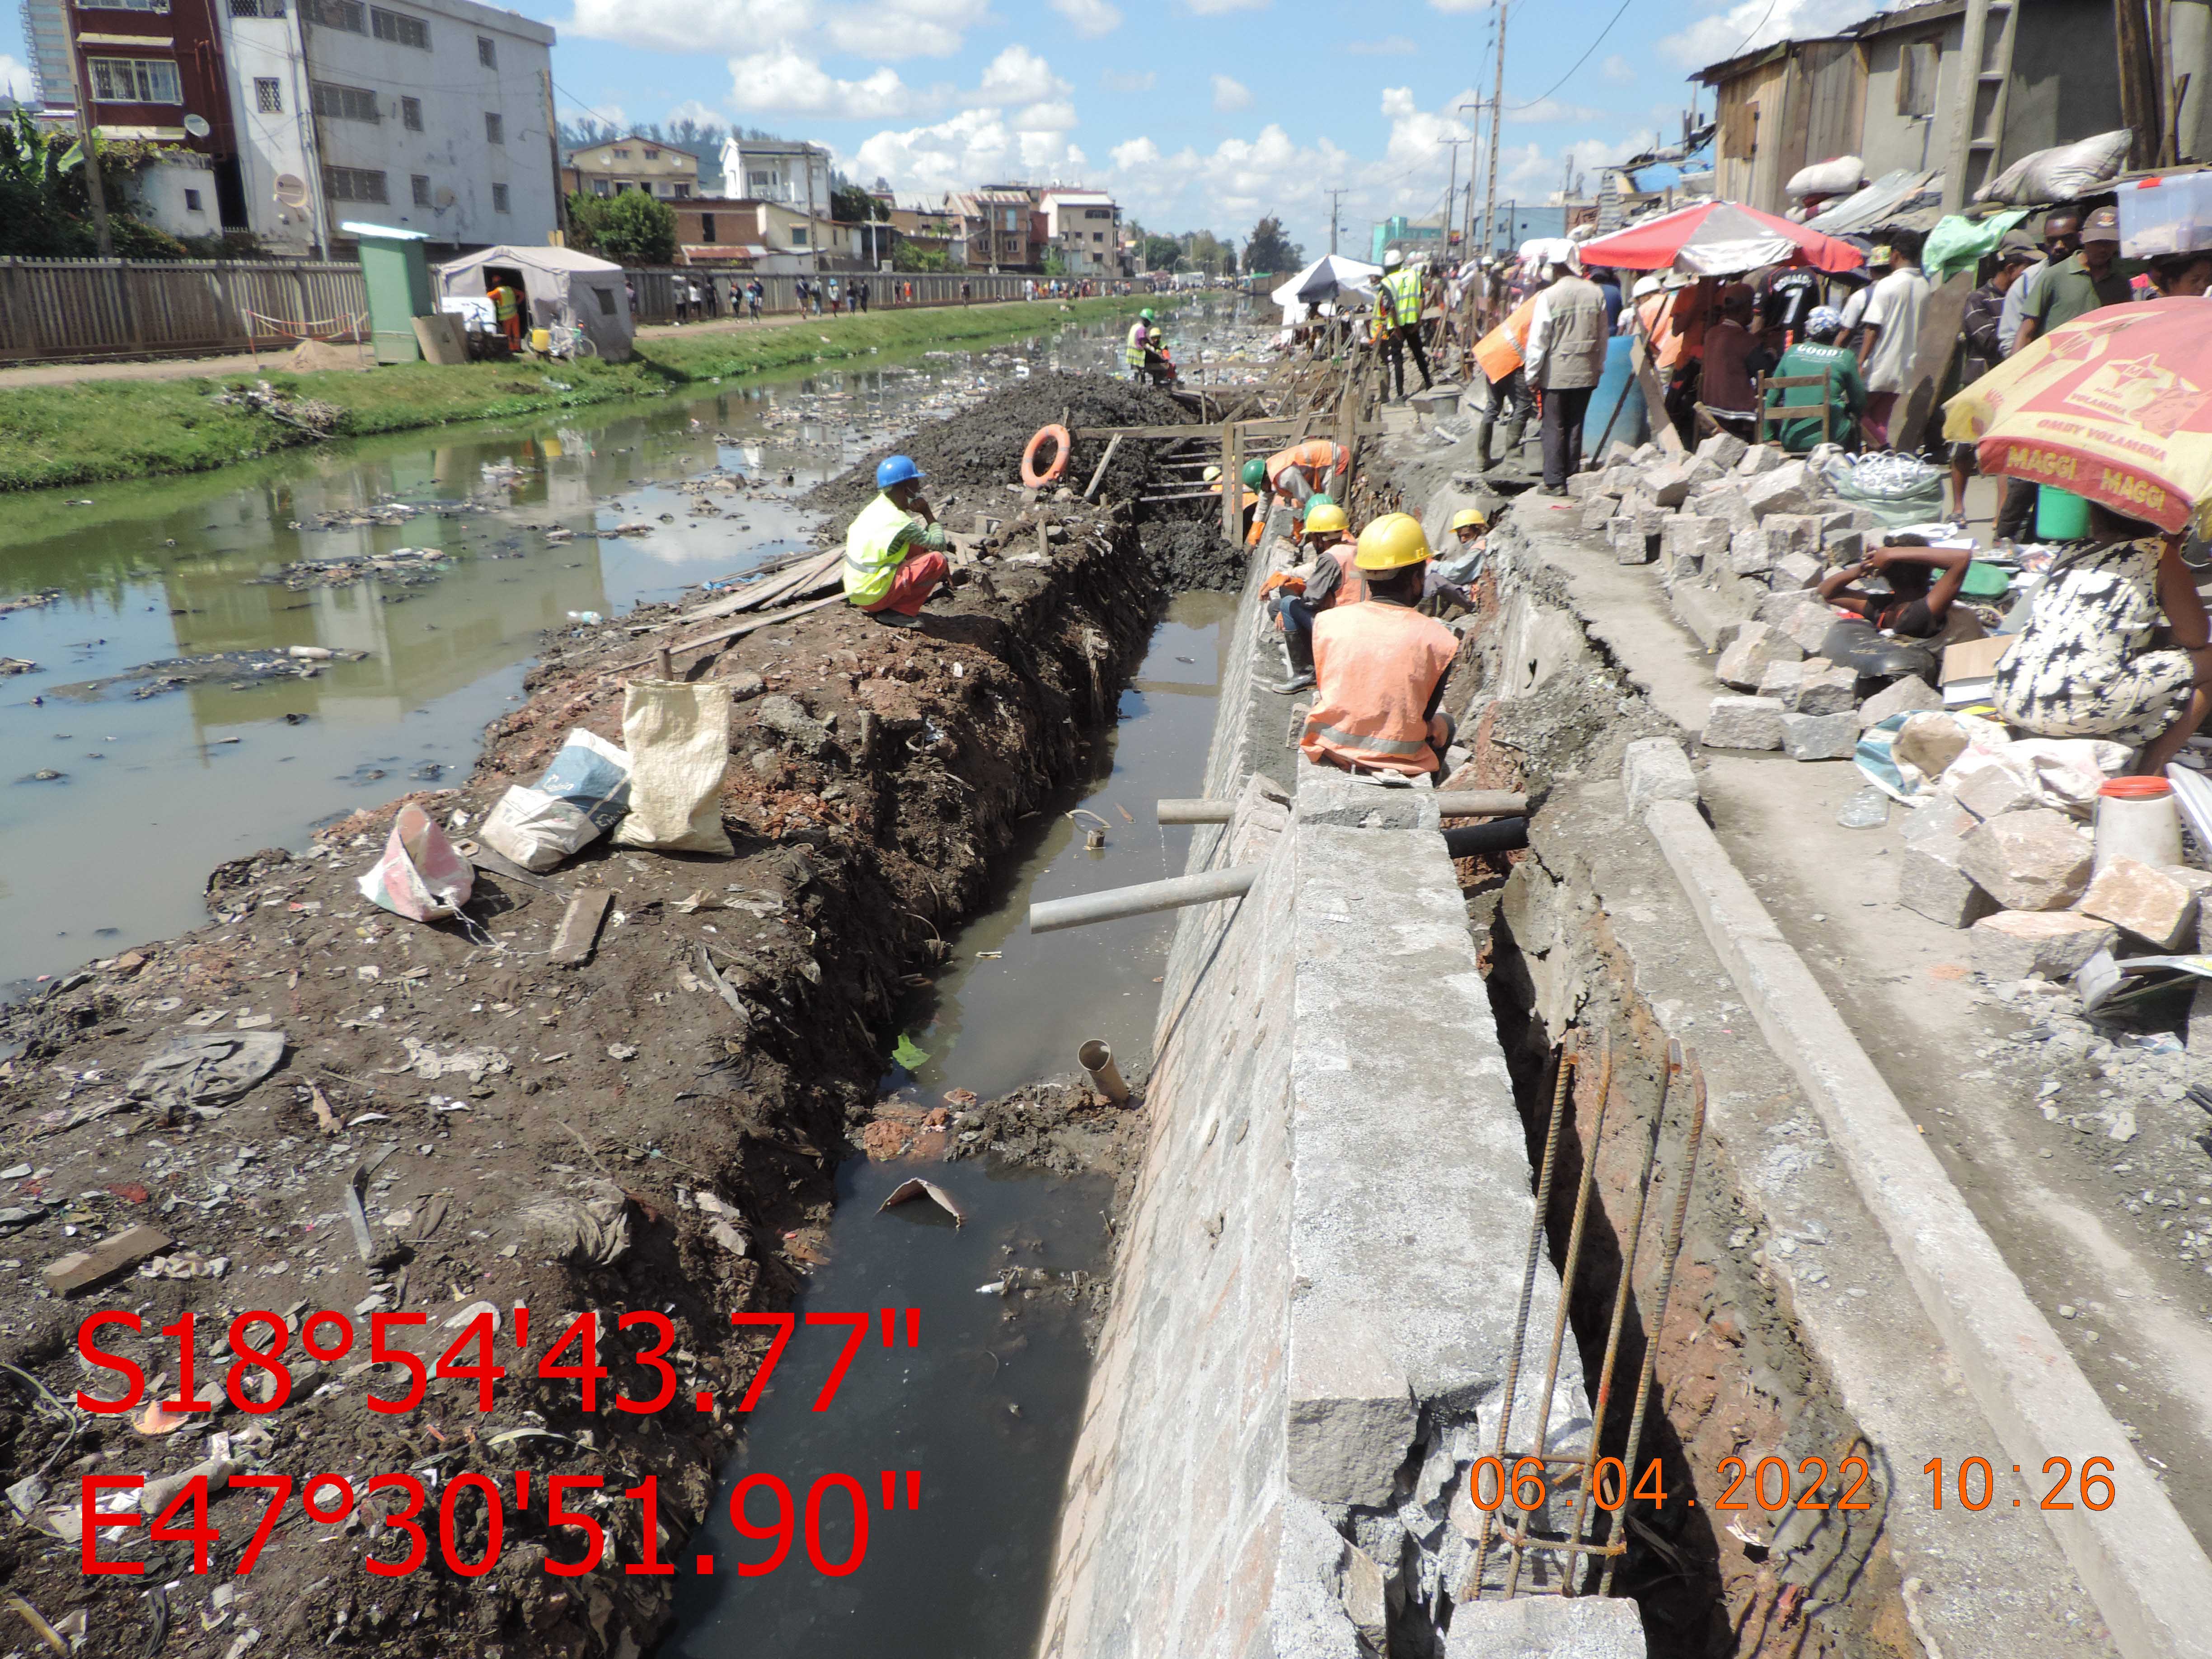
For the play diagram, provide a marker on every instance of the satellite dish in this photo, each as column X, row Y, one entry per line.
column 445, row 199
column 198, row 125
column 291, row 190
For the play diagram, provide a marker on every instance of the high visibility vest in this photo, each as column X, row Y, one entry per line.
column 1134, row 355
column 873, row 554
column 1317, row 459
column 1505, row 347
column 1351, row 586
column 1403, row 285
column 502, row 302
column 1376, row 666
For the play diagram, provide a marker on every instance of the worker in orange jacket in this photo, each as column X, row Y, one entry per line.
column 1380, row 667
column 1501, row 355
column 1326, row 579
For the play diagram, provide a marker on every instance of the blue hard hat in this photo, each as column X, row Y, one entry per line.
column 897, row 469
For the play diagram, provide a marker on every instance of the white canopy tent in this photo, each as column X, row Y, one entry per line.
column 1324, row 282
column 563, row 285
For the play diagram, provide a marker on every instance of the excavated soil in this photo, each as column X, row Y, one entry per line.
column 610, row 1137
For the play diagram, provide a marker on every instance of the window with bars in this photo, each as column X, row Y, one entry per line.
column 495, row 128
column 134, row 81
column 399, row 28
column 421, row 182
column 123, row 5
column 348, row 14
column 268, row 94
column 487, row 52
column 354, row 185
column 345, row 103
column 257, row 8
column 410, row 114
column 499, row 200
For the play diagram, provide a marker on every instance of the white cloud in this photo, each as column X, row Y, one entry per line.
column 906, row 28
column 612, row 115
column 1459, row 5
column 1057, row 115
column 1617, row 69
column 782, row 81
column 1114, row 81
column 1551, row 109
column 1230, row 94
column 692, row 110
column 15, row 79
column 1416, row 135
column 968, row 149
column 1018, row 75
column 1137, row 153
column 1089, row 18
column 1754, row 23
column 692, row 26
column 1394, row 45
column 1214, row 8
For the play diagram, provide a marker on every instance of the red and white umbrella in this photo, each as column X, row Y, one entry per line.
column 1719, row 239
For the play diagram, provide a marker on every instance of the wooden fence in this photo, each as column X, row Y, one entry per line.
column 91, row 308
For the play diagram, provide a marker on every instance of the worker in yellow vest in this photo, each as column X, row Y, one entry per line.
column 1398, row 318
column 1381, row 666
column 507, row 311
column 894, row 549
column 1142, row 348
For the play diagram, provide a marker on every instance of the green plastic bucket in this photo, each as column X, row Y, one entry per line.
column 2060, row 515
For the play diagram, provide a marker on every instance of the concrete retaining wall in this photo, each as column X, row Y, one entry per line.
column 1317, row 1281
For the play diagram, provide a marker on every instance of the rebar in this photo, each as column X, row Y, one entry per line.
column 1568, row 1269
column 1562, row 1066
column 1671, row 1251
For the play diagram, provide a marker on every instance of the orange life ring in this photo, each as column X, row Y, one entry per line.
column 1064, row 447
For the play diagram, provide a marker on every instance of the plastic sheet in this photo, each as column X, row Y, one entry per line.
column 420, row 876
column 583, row 794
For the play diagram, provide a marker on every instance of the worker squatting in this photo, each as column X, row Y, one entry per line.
column 1352, row 628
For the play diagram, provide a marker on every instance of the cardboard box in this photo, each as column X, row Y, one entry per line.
column 1970, row 668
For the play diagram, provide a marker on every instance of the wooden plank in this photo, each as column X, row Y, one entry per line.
column 82, row 1268
column 580, row 926
column 739, row 631
column 1941, row 319
column 751, row 597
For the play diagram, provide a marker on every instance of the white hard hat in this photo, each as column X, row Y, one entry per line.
column 1393, row 259
column 1645, row 285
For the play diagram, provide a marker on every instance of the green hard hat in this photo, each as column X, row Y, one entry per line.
column 1319, row 498
column 1255, row 473
column 1146, row 313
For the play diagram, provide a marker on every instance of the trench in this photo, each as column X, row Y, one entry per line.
column 986, row 1407
column 156, row 789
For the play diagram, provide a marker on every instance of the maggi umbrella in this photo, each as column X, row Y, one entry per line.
column 2115, row 406
column 1719, row 239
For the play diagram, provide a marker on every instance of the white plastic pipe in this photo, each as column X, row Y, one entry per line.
column 1143, row 900
column 1097, row 1059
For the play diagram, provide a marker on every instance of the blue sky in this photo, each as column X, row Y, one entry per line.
column 1195, row 113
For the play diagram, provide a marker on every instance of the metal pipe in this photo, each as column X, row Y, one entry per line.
column 1450, row 804
column 1192, row 809
column 1142, row 900
column 1463, row 841
column 1097, row 1059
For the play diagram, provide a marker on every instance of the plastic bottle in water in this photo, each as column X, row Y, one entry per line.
column 590, row 618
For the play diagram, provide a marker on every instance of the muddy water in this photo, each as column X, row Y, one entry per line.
column 985, row 1409
column 153, row 791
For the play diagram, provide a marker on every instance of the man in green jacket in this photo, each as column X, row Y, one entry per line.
column 1819, row 354
column 894, row 549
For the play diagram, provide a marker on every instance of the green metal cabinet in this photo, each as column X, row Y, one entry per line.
column 395, row 270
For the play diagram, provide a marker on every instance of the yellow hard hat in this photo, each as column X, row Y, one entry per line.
column 1327, row 515
column 1470, row 515
column 1391, row 543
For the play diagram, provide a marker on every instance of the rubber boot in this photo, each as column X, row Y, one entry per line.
column 1513, row 430
column 1482, row 443
column 1297, row 662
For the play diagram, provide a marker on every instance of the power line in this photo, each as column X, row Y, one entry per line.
column 1592, row 47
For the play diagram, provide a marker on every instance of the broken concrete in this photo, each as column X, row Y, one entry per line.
column 2032, row 860
column 1744, row 723
column 1907, row 696
column 2156, row 906
column 1755, row 648
column 2036, row 944
column 1820, row 737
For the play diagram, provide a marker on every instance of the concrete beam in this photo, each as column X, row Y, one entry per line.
column 2149, row 1578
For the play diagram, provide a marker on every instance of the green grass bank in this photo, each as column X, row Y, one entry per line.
column 55, row 437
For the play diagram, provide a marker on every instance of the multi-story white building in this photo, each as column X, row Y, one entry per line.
column 632, row 163
column 436, row 115
column 776, row 170
column 1084, row 227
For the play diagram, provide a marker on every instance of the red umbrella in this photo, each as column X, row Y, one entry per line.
column 1719, row 239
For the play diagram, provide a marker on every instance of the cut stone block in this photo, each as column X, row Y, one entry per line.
column 1907, row 696
column 2154, row 905
column 2198, row 1037
column 1653, row 770
column 1723, row 449
column 1619, row 480
column 1625, row 534
column 1761, row 457
column 1546, row 1627
column 1930, row 878
column 1582, row 486
column 2031, row 860
column 1599, row 511
column 1669, row 484
column 1366, row 1600
column 1744, row 723
column 1931, row 742
column 1646, row 454
column 1828, row 691
column 1747, row 553
column 1793, row 573
column 2036, row 944
column 1820, row 737
column 1725, row 502
column 1746, row 661
column 1620, row 452
column 1991, row 792
column 1351, row 1417
column 1782, row 490
column 1843, row 547
column 1709, row 611
column 1781, row 681
column 1791, row 532
column 1938, row 815
column 1688, row 544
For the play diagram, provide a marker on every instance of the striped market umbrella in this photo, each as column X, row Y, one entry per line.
column 2115, row 406
column 1719, row 239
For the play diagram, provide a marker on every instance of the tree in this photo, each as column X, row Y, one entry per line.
column 1160, row 252
column 852, row 206
column 905, row 256
column 1266, row 249
column 632, row 228
column 45, row 208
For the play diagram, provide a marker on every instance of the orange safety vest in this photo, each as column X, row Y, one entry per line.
column 1505, row 347
column 1352, row 587
column 1377, row 666
column 1317, row 459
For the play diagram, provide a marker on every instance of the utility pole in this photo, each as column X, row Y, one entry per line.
column 1334, row 197
column 1467, row 227
column 87, row 140
column 553, row 144
column 1452, row 188
column 1497, row 122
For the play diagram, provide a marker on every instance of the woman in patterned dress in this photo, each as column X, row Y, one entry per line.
column 2116, row 646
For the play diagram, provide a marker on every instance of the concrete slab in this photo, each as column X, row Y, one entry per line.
column 1546, row 1627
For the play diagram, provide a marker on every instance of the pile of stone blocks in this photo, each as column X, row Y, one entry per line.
column 1741, row 534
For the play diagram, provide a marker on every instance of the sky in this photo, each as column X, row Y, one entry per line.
column 1196, row 114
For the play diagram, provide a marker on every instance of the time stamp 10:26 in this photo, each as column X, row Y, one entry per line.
column 1770, row 1485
